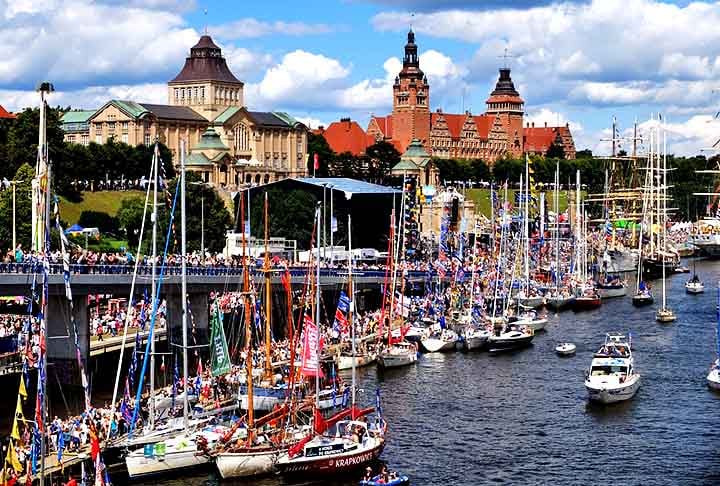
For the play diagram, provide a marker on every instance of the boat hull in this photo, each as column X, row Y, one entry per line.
column 642, row 300
column 694, row 289
column 608, row 395
column 396, row 360
column 246, row 464
column 611, row 291
column 138, row 465
column 586, row 303
column 560, row 303
column 331, row 465
column 499, row 344
column 346, row 362
column 713, row 379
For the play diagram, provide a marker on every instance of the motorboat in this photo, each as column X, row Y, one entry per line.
column 565, row 349
column 398, row 354
column 440, row 341
column 347, row 445
column 509, row 337
column 531, row 302
column 392, row 479
column 419, row 330
column 612, row 376
column 665, row 315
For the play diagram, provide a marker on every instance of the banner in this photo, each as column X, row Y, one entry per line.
column 311, row 349
column 220, row 359
column 341, row 314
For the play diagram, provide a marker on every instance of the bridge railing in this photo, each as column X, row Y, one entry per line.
column 193, row 270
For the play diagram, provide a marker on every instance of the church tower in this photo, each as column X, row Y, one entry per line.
column 411, row 99
column 506, row 104
column 206, row 83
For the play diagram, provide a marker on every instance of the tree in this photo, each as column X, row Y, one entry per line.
column 105, row 223
column 23, row 209
column 507, row 169
column 291, row 214
column 555, row 151
column 130, row 216
column 382, row 156
column 318, row 145
column 22, row 144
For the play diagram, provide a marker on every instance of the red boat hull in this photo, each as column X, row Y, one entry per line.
column 587, row 303
column 332, row 464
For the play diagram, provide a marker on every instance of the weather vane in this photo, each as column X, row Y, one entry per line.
column 506, row 55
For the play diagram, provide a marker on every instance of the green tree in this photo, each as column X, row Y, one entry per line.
column 291, row 214
column 555, row 151
column 507, row 169
column 130, row 216
column 22, row 144
column 23, row 209
column 318, row 145
column 382, row 156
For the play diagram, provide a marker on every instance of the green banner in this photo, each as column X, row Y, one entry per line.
column 220, row 361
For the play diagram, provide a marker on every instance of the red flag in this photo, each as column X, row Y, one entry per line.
column 316, row 161
column 94, row 446
column 311, row 349
column 319, row 422
column 295, row 450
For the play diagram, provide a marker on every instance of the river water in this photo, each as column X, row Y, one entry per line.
column 523, row 418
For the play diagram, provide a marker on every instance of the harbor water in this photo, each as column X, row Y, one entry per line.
column 524, row 418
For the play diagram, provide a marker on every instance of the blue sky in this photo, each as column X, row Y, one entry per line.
column 580, row 62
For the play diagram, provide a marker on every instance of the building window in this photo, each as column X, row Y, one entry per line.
column 202, row 93
column 85, row 139
column 147, row 139
column 71, row 138
column 111, row 127
column 125, row 126
column 125, row 138
column 182, row 93
column 98, row 139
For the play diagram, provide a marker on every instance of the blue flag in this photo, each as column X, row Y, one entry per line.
column 60, row 444
column 346, row 397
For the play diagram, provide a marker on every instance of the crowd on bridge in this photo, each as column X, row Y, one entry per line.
column 109, row 322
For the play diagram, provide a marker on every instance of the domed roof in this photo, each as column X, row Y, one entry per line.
column 206, row 64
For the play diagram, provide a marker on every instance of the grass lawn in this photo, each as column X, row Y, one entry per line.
column 103, row 201
column 481, row 198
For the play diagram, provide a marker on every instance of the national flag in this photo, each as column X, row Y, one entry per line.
column 341, row 314
column 346, row 397
column 316, row 161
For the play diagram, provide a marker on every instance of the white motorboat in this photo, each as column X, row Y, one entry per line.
column 612, row 377
column 565, row 349
column 174, row 454
column 397, row 355
column 713, row 377
column 419, row 330
column 440, row 341
column 532, row 302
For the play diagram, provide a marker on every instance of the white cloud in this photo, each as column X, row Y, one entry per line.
column 311, row 122
column 250, row 27
column 551, row 118
column 89, row 98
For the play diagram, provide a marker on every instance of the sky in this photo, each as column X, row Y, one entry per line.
column 579, row 61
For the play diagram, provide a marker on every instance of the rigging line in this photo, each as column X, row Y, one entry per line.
column 156, row 299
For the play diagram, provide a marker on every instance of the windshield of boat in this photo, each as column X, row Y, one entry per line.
column 604, row 370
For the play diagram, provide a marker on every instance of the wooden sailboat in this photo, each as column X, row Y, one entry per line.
column 643, row 294
column 560, row 298
column 587, row 297
column 694, row 285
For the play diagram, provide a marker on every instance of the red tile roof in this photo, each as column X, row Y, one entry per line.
column 454, row 122
column 347, row 136
column 385, row 125
column 483, row 123
column 539, row 139
column 5, row 114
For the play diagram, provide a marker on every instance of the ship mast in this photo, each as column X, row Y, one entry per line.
column 248, row 332
column 268, row 298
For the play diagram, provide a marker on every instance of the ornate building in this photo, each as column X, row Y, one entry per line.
column 490, row 136
column 229, row 145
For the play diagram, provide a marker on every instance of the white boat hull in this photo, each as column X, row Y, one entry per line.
column 713, row 379
column 531, row 302
column 609, row 293
column 260, row 403
column 138, row 465
column 246, row 464
column 397, row 360
column 534, row 324
column 611, row 394
column 346, row 362
column 437, row 345
column 691, row 288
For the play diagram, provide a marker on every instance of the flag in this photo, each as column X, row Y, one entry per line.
column 341, row 314
column 220, row 359
column 60, row 444
column 332, row 378
column 15, row 434
column 22, row 391
column 346, row 397
column 378, row 408
column 333, row 224
column 12, row 458
column 316, row 162
column 311, row 349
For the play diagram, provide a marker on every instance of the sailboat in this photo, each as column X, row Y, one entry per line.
column 343, row 442
column 560, row 297
column 180, row 451
column 713, row 377
column 643, row 294
column 694, row 285
column 664, row 314
column 587, row 297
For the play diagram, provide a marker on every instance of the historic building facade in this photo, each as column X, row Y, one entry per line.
column 229, row 145
column 494, row 134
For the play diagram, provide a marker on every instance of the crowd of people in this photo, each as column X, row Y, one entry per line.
column 111, row 321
